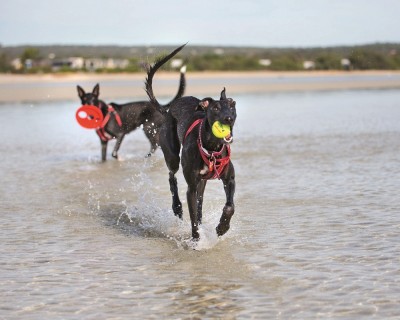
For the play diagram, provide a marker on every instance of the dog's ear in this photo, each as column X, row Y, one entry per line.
column 203, row 104
column 96, row 90
column 223, row 95
column 81, row 92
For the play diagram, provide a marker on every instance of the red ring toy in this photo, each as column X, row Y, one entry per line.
column 89, row 117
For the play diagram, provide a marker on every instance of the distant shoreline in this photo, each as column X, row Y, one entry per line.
column 129, row 86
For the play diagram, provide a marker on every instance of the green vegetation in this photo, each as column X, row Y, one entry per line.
column 30, row 54
column 328, row 61
column 4, row 65
column 133, row 65
column 286, row 62
column 28, row 59
column 369, row 59
column 233, row 62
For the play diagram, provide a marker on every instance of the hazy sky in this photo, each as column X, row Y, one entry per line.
column 265, row 23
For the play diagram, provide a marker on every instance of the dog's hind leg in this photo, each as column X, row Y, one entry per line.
column 171, row 147
column 176, row 202
column 200, row 193
column 229, row 208
column 153, row 149
column 120, row 137
column 103, row 150
column 151, row 134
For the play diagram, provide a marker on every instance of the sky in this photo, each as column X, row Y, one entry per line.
column 255, row 23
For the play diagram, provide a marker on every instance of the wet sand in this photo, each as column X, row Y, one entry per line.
column 57, row 87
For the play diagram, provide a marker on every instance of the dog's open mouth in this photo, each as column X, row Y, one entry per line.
column 229, row 138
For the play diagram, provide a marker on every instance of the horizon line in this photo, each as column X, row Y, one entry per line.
column 197, row 45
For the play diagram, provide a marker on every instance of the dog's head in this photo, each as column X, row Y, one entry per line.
column 222, row 110
column 90, row 98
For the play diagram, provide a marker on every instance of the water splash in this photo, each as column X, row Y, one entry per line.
column 148, row 219
column 136, row 208
column 208, row 239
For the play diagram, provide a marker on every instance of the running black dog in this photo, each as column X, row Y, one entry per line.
column 121, row 119
column 188, row 123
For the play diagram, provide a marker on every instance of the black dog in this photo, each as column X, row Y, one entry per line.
column 188, row 123
column 124, row 118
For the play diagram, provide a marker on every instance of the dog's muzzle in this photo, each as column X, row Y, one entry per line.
column 229, row 138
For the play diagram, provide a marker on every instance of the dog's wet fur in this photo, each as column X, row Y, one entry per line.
column 133, row 114
column 179, row 115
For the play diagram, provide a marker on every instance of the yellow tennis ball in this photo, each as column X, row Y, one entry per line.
column 220, row 130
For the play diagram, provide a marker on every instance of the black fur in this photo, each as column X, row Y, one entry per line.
column 179, row 116
column 133, row 114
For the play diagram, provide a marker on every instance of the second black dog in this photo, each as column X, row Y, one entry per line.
column 188, row 126
column 121, row 119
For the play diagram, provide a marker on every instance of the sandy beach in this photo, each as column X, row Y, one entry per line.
column 57, row 87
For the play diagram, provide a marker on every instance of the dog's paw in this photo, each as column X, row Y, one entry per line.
column 222, row 229
column 177, row 209
column 190, row 244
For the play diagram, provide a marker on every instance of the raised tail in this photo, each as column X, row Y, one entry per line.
column 149, row 80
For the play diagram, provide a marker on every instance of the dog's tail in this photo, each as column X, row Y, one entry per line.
column 151, row 70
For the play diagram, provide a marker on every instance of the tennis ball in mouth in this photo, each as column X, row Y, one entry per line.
column 220, row 130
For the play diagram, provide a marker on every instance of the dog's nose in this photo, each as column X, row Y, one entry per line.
column 228, row 120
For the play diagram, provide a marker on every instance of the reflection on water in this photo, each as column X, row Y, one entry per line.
column 315, row 233
column 204, row 299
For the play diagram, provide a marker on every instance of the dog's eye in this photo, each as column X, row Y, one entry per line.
column 215, row 108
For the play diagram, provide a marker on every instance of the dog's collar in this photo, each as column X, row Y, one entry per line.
column 214, row 160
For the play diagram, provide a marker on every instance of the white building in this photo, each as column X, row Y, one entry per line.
column 16, row 64
column 176, row 63
column 346, row 64
column 309, row 65
column 265, row 62
column 76, row 62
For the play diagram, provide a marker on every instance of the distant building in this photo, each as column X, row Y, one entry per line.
column 176, row 63
column 95, row 64
column 265, row 62
column 16, row 64
column 28, row 63
column 76, row 62
column 309, row 65
column 346, row 64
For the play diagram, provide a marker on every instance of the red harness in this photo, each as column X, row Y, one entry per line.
column 215, row 161
column 104, row 136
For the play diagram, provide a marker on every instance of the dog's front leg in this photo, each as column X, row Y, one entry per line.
column 200, row 193
column 103, row 150
column 120, row 137
column 229, row 208
column 191, row 199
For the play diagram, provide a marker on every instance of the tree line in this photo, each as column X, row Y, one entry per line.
column 35, row 59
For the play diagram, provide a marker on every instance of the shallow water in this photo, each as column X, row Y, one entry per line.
column 316, row 233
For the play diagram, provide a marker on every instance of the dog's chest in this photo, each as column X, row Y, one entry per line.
column 205, row 170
